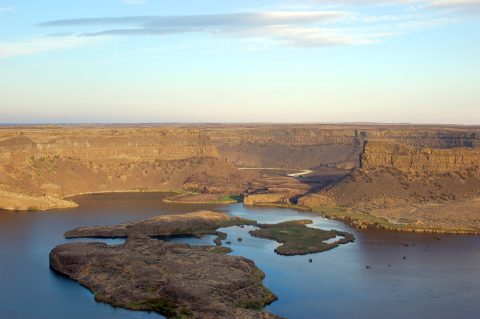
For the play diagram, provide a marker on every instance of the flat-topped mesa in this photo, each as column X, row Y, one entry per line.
column 425, row 136
column 191, row 224
column 406, row 158
column 108, row 145
column 316, row 145
column 175, row 280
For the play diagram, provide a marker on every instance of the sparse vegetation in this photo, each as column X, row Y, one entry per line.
column 298, row 239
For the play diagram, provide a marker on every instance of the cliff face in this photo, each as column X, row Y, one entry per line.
column 47, row 162
column 428, row 136
column 410, row 186
column 312, row 146
column 292, row 146
column 56, row 162
column 406, row 158
column 105, row 145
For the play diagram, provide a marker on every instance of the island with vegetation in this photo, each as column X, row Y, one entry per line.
column 298, row 239
column 198, row 198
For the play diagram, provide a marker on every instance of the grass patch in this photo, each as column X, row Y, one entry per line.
column 198, row 198
column 298, row 239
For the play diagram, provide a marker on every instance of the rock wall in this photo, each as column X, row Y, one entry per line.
column 407, row 158
column 45, row 162
column 434, row 137
column 287, row 146
column 308, row 146
column 105, row 145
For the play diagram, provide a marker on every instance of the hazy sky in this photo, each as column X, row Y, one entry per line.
column 240, row 61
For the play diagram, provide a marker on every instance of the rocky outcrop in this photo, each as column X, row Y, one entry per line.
column 316, row 200
column 406, row 158
column 196, row 223
column 176, row 280
column 12, row 201
column 265, row 199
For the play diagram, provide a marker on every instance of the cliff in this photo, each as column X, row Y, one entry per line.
column 287, row 146
column 407, row 158
column 409, row 188
column 304, row 146
column 41, row 165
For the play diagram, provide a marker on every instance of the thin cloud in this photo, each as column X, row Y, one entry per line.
column 299, row 29
column 469, row 6
column 443, row 4
column 248, row 19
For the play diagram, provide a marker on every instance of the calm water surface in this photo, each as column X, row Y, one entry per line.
column 439, row 277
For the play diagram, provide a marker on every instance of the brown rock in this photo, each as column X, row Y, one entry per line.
column 196, row 223
column 175, row 280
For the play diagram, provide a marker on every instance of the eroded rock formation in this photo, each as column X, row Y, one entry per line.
column 195, row 223
column 176, row 280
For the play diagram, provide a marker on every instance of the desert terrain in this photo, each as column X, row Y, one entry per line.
column 403, row 177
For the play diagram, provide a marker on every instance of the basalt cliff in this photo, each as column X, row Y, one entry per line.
column 420, row 177
column 40, row 166
column 410, row 187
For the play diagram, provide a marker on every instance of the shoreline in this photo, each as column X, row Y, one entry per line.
column 364, row 221
column 359, row 220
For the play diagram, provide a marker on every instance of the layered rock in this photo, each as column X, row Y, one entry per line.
column 54, row 162
column 267, row 198
column 287, row 146
column 406, row 158
column 105, row 145
column 312, row 146
column 42, row 162
column 398, row 185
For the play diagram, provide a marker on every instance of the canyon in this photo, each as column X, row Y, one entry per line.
column 407, row 176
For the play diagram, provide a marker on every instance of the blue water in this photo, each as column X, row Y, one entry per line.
column 440, row 277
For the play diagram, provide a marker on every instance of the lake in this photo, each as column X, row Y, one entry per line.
column 408, row 275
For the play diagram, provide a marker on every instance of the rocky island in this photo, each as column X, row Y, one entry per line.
column 179, row 280
column 192, row 224
column 176, row 280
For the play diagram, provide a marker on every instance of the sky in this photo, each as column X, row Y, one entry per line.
column 146, row 61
